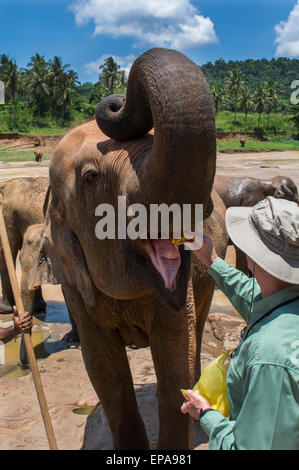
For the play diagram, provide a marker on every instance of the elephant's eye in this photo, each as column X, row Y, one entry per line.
column 89, row 176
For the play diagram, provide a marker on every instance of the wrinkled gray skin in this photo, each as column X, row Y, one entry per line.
column 23, row 200
column 243, row 191
column 116, row 290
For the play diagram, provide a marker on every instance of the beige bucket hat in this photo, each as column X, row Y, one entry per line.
column 269, row 234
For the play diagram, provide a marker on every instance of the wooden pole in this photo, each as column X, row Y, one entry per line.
column 27, row 338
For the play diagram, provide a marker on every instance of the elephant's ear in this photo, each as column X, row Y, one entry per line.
column 61, row 259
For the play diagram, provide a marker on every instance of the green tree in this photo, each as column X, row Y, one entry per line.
column 260, row 98
column 111, row 75
column 272, row 97
column 294, row 110
column 57, row 73
column 10, row 75
column 68, row 90
column 98, row 92
column 234, row 83
column 38, row 83
column 218, row 94
column 245, row 102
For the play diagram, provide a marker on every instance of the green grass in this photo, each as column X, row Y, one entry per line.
column 48, row 127
column 253, row 145
column 278, row 135
column 52, row 128
column 22, row 156
column 278, row 123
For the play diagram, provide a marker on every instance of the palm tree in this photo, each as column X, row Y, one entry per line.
column 272, row 91
column 260, row 97
column 57, row 71
column 111, row 74
column 9, row 74
column 218, row 94
column 295, row 119
column 37, row 61
column 245, row 103
column 68, row 86
column 38, row 82
column 234, row 83
column 38, row 90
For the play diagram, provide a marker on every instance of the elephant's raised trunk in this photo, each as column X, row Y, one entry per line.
column 168, row 91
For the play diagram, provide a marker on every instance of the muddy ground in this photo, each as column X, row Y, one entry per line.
column 78, row 419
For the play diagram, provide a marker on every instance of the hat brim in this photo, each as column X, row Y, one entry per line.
column 244, row 236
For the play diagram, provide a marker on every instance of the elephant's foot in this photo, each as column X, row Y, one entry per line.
column 72, row 338
column 5, row 307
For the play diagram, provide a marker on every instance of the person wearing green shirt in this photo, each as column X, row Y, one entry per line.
column 263, row 374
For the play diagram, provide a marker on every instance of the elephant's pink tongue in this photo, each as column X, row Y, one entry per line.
column 167, row 260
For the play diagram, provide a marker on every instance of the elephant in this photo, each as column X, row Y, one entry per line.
column 38, row 156
column 23, row 200
column 30, row 248
column 244, row 191
column 145, row 291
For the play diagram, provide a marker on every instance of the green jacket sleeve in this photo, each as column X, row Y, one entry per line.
column 235, row 285
column 269, row 417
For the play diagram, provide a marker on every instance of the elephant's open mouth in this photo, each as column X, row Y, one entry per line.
column 166, row 258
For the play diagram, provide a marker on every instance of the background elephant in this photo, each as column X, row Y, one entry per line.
column 144, row 292
column 28, row 253
column 38, row 155
column 23, row 200
column 243, row 191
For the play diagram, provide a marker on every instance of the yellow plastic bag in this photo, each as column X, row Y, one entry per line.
column 212, row 384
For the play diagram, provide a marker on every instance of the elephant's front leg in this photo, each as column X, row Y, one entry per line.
column 173, row 347
column 107, row 365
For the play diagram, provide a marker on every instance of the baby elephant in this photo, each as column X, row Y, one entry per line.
column 38, row 156
column 28, row 253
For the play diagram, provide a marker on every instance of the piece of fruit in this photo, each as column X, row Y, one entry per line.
column 181, row 241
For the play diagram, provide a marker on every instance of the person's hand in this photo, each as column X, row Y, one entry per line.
column 195, row 404
column 207, row 253
column 23, row 326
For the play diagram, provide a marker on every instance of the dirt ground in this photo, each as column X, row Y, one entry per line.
column 78, row 419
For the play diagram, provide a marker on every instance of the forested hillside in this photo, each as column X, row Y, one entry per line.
column 281, row 70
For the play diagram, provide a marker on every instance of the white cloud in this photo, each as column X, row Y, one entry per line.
column 287, row 35
column 165, row 23
column 92, row 68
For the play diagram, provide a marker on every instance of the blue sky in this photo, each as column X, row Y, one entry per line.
column 84, row 32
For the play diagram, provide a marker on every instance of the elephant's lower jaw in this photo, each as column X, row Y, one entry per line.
column 166, row 259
